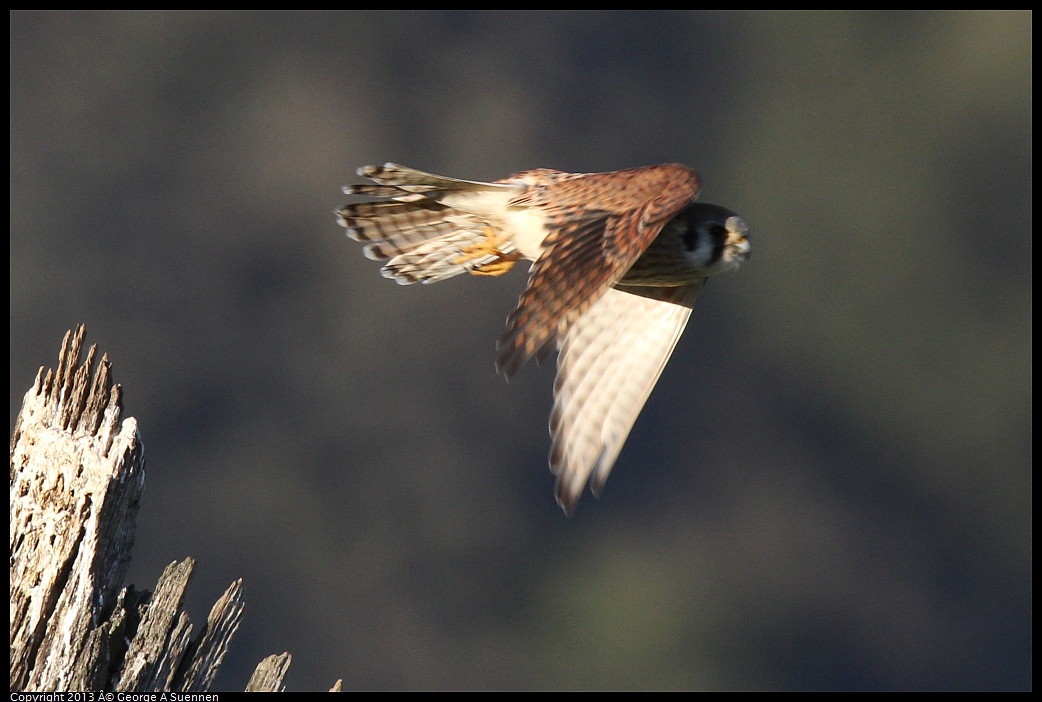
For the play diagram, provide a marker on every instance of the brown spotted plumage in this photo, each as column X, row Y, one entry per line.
column 618, row 259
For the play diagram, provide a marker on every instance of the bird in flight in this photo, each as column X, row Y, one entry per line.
column 617, row 261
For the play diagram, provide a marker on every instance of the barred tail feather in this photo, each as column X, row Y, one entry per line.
column 414, row 181
column 419, row 246
column 421, row 238
column 439, row 259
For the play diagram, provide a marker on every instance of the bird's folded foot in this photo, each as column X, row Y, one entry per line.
column 491, row 246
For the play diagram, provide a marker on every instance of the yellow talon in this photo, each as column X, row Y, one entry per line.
column 504, row 264
column 489, row 247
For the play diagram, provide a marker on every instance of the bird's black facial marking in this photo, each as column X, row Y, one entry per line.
column 691, row 238
column 707, row 241
column 717, row 234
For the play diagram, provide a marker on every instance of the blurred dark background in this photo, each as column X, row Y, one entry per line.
column 829, row 489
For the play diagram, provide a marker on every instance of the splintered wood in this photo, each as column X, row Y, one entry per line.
column 76, row 479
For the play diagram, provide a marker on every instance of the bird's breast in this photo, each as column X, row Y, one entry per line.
column 528, row 230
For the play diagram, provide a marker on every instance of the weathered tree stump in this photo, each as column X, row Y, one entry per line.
column 77, row 473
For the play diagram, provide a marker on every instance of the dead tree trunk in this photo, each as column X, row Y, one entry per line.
column 77, row 473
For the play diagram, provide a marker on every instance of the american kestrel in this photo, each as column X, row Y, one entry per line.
column 618, row 260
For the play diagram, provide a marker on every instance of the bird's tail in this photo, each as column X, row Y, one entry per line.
column 416, row 228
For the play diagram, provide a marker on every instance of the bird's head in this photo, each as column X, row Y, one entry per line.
column 716, row 240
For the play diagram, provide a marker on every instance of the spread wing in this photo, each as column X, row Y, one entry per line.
column 597, row 225
column 610, row 360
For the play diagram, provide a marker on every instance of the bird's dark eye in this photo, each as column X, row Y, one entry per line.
column 718, row 231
